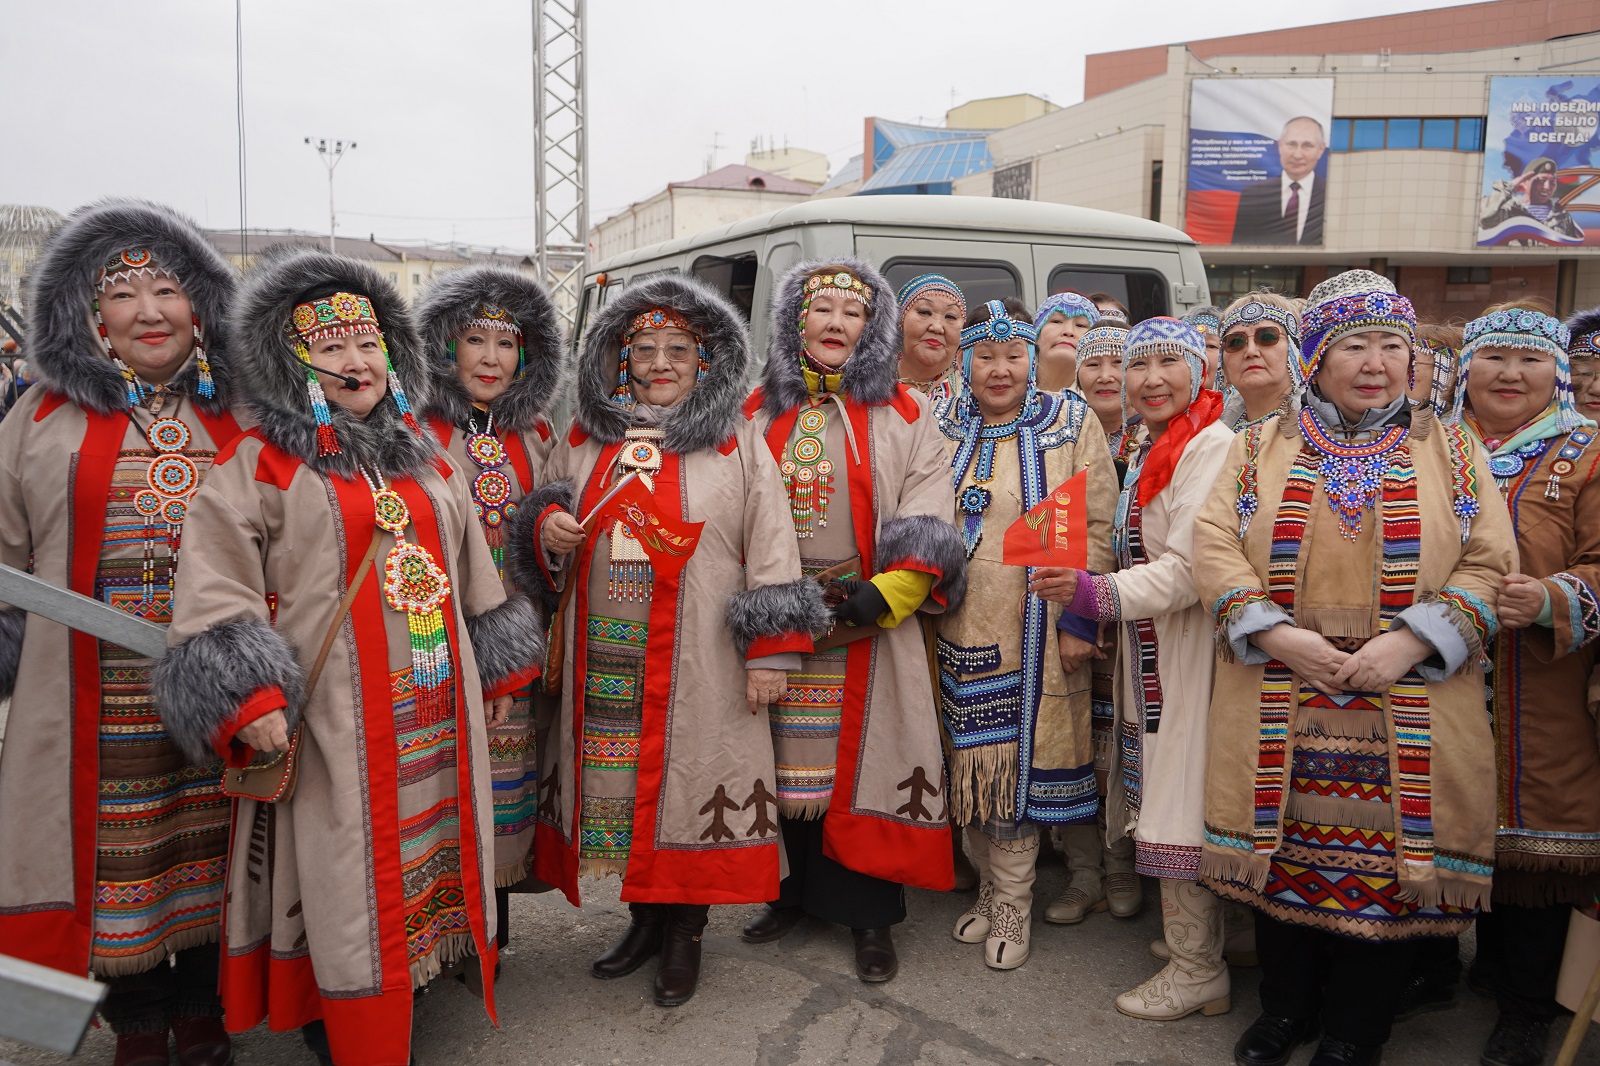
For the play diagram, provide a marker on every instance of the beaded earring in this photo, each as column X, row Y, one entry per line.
column 397, row 392
column 130, row 381
column 327, row 440
column 205, row 386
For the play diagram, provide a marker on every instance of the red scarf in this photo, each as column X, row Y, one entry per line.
column 1168, row 448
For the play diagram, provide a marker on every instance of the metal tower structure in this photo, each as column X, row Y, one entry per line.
column 560, row 146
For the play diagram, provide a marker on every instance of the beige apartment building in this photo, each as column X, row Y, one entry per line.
column 727, row 194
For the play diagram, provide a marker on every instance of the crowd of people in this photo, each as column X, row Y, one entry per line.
column 1322, row 669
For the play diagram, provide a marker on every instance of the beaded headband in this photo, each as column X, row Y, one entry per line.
column 1585, row 345
column 1067, row 303
column 343, row 314
column 128, row 264
column 838, row 283
column 493, row 316
column 926, row 283
column 655, row 318
column 1530, row 331
column 1168, row 336
column 1102, row 340
column 1254, row 312
column 1208, row 320
column 1000, row 328
column 1326, row 322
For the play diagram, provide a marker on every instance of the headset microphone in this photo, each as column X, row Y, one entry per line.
column 347, row 383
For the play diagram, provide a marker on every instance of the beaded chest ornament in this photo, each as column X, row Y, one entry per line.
column 631, row 576
column 170, row 481
column 491, row 491
column 1352, row 474
column 416, row 586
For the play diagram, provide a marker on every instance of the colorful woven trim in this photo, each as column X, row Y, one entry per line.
column 493, row 316
column 1323, row 324
column 1463, row 478
column 1233, row 602
column 128, row 264
column 1585, row 345
column 838, row 283
column 1475, row 611
column 1253, row 314
column 926, row 283
column 1520, row 328
column 1208, row 320
column 1069, row 304
column 1583, row 610
column 999, row 328
column 343, row 314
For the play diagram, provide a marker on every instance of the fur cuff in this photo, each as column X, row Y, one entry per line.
column 930, row 545
column 13, row 624
column 524, row 556
column 506, row 641
column 773, row 610
column 199, row 685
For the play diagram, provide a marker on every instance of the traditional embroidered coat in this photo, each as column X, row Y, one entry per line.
column 662, row 772
column 1019, row 727
column 525, row 438
column 1367, row 814
column 400, row 796
column 1547, row 748
column 112, row 844
column 1164, row 665
column 856, row 733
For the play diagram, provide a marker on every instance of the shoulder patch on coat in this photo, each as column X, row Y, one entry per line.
column 906, row 403
column 753, row 402
column 274, row 466
column 48, row 405
column 728, row 446
column 542, row 428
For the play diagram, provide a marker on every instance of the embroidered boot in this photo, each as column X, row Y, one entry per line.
column 1086, row 888
column 1238, row 937
column 642, row 940
column 1124, row 888
column 1011, row 864
column 966, row 873
column 1195, row 978
column 680, row 953
column 973, row 926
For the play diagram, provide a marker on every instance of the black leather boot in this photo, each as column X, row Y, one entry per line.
column 680, row 953
column 771, row 923
column 876, row 961
column 1270, row 1040
column 642, row 940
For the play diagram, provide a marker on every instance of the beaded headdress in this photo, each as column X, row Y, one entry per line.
column 1530, row 331
column 1584, row 328
column 926, row 283
column 999, row 328
column 1066, row 303
column 839, row 283
column 1356, row 301
column 340, row 314
column 1167, row 336
column 493, row 316
column 1252, row 314
column 1206, row 319
column 655, row 318
column 126, row 265
column 1102, row 340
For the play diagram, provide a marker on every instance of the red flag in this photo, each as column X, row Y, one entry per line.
column 1055, row 533
column 667, row 539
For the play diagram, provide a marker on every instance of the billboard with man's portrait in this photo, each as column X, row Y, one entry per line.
column 1258, row 160
column 1541, row 180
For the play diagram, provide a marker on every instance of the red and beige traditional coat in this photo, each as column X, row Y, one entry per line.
column 501, row 451
column 662, row 772
column 857, row 731
column 112, row 844
column 376, row 873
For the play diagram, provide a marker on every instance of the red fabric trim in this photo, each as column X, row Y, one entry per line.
column 753, row 402
column 555, row 860
column 223, row 429
column 1162, row 462
column 576, row 436
column 728, row 446
column 905, row 402
column 778, row 432
column 275, row 467
column 780, row 644
column 441, row 431
column 863, row 504
column 517, row 453
column 538, row 542
column 679, row 875
column 920, row 566
column 518, row 680
column 52, row 400
column 256, row 987
column 542, row 428
column 259, row 704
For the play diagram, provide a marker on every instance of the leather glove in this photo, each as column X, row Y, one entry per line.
column 862, row 605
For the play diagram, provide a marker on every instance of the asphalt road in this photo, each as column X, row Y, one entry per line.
column 798, row 1002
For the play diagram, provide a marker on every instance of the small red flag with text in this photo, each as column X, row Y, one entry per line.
column 666, row 539
column 1056, row 532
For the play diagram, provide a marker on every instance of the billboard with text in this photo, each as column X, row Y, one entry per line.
column 1541, row 182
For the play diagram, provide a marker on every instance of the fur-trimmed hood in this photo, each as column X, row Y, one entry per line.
column 273, row 382
column 454, row 300
column 62, row 341
column 707, row 417
column 872, row 373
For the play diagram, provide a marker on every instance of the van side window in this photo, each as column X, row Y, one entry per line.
column 979, row 282
column 733, row 276
column 1143, row 292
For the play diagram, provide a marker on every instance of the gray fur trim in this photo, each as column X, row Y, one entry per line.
column 62, row 341
column 451, row 302
column 929, row 540
column 199, row 685
column 773, row 610
column 273, row 382
column 872, row 373
column 13, row 627
column 522, row 544
column 506, row 640
column 708, row 415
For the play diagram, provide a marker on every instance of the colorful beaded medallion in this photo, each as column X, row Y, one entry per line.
column 1352, row 474
column 172, row 478
column 808, row 473
column 416, row 586
column 491, row 491
column 974, row 501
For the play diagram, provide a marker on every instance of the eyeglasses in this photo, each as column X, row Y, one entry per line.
column 1265, row 337
column 645, row 354
column 1582, row 375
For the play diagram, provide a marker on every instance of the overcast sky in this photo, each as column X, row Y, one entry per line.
column 137, row 98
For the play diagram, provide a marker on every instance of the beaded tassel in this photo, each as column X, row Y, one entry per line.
column 327, row 440
column 205, row 386
column 415, row 585
column 399, row 393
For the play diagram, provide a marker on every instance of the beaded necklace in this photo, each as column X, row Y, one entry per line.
column 491, row 488
column 808, row 473
column 1352, row 474
column 416, row 586
column 631, row 577
column 170, row 480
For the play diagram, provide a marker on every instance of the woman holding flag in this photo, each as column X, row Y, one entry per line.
column 665, row 529
column 1165, row 658
column 1028, row 466
column 860, row 769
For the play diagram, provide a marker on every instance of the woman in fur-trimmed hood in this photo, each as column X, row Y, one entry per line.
column 861, row 772
column 494, row 341
column 664, row 770
column 390, row 736
column 112, row 847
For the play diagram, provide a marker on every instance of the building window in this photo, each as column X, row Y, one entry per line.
column 733, row 276
column 416, row 279
column 1470, row 137
column 1155, row 190
column 1228, row 281
column 1466, row 275
column 1430, row 134
column 1405, row 133
column 1439, row 133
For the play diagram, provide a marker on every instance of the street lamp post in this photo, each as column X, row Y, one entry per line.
column 331, row 151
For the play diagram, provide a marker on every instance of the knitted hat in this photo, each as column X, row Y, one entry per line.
column 926, row 283
column 1164, row 336
column 1254, row 312
column 1356, row 301
column 1527, row 330
column 1067, row 303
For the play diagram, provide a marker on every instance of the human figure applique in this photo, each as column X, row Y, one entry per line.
column 918, row 783
column 761, row 799
column 551, row 787
column 718, row 829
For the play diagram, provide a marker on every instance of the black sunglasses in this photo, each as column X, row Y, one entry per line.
column 1265, row 337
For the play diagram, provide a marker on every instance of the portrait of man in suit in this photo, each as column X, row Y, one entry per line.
column 1287, row 209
